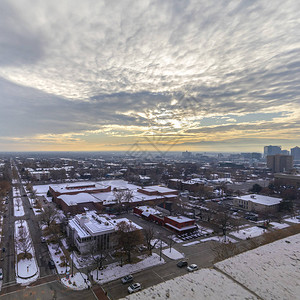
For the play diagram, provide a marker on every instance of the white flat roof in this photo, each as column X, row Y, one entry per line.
column 79, row 198
column 182, row 228
column 160, row 189
column 261, row 199
column 179, row 219
column 82, row 233
column 93, row 224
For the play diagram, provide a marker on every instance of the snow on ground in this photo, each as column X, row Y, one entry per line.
column 191, row 243
column 173, row 254
column 18, row 207
column 58, row 258
column 248, row 232
column 16, row 192
column 175, row 238
column 220, row 239
column 202, row 284
column 36, row 211
column 64, row 242
column 26, row 269
column 271, row 271
column 292, row 220
column 159, row 243
column 279, row 225
column 115, row 271
column 77, row 282
column 81, row 261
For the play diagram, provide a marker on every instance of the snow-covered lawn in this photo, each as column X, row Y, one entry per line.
column 115, row 271
column 292, row 220
column 202, row 284
column 279, row 225
column 173, row 254
column 271, row 271
column 220, row 239
column 18, row 207
column 248, row 232
column 56, row 254
column 26, row 269
column 159, row 243
column 191, row 243
column 16, row 192
column 77, row 282
column 36, row 211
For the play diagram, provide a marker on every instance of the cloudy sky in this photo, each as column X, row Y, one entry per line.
column 126, row 75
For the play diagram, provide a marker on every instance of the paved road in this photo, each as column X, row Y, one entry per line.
column 202, row 255
column 41, row 250
column 8, row 263
column 49, row 291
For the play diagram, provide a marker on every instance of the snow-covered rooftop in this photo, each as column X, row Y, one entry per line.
column 160, row 189
column 267, row 272
column 261, row 199
column 150, row 210
column 79, row 198
column 179, row 219
column 92, row 224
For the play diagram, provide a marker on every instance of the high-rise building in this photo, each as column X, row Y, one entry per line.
column 295, row 152
column 280, row 163
column 285, row 152
column 271, row 150
column 186, row 154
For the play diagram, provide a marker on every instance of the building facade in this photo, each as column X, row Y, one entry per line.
column 295, row 152
column 257, row 203
column 280, row 163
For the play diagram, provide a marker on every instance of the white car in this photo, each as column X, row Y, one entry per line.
column 1, row 274
column 192, row 268
column 135, row 287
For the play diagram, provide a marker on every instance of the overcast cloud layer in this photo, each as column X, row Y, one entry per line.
column 101, row 75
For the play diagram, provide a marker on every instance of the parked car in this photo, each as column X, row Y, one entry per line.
column 51, row 264
column 127, row 279
column 192, row 268
column 1, row 274
column 43, row 240
column 135, row 287
column 182, row 264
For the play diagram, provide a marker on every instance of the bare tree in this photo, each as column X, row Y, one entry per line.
column 149, row 235
column 223, row 219
column 98, row 254
column 223, row 251
column 119, row 198
column 23, row 242
column 129, row 237
column 18, row 203
column 48, row 216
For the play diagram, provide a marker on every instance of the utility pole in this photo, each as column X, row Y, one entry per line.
column 160, row 250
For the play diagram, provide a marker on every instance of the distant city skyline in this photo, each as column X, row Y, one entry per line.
column 220, row 76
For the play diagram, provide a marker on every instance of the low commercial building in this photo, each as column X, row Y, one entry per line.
column 257, row 203
column 287, row 179
column 89, row 230
column 100, row 196
column 179, row 224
